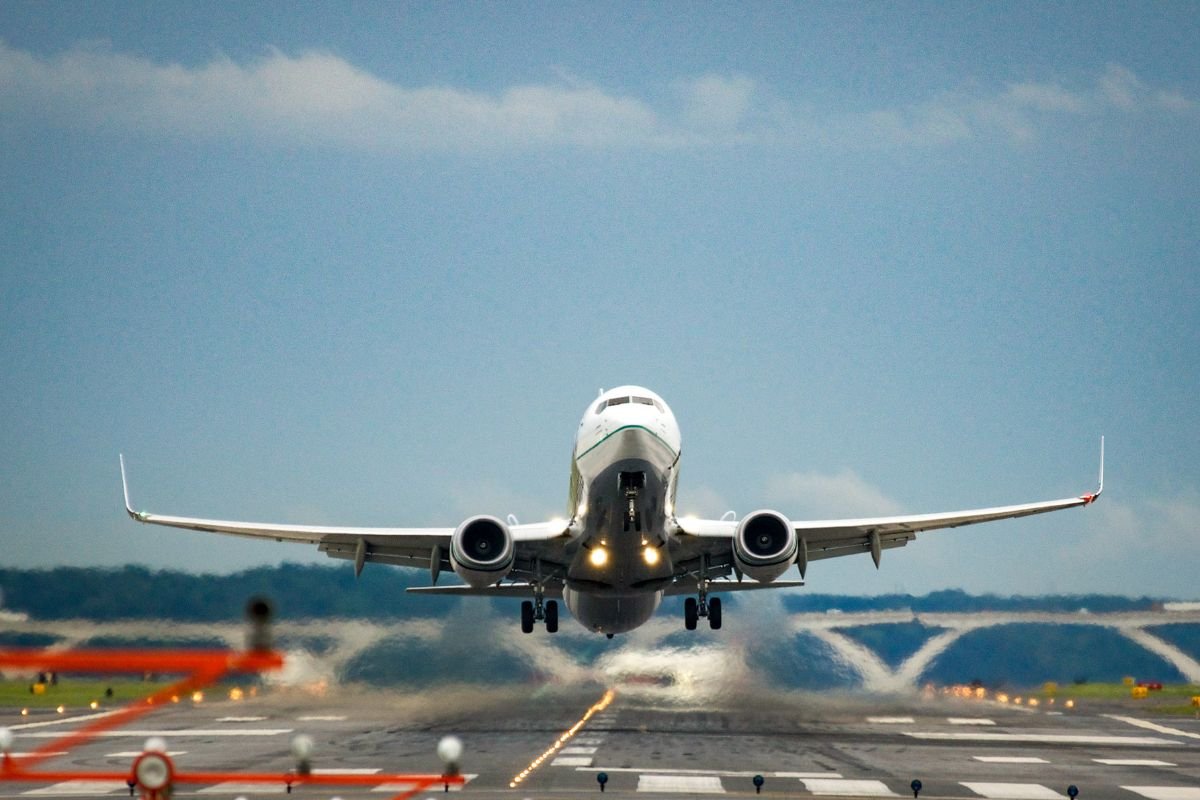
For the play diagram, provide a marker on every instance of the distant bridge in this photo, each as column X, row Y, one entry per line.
column 878, row 676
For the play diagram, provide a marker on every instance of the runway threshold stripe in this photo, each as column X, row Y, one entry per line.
column 136, row 753
column 572, row 761
column 891, row 720
column 847, row 788
column 1014, row 791
column 235, row 788
column 1011, row 759
column 1133, row 762
column 80, row 788
column 686, row 784
column 1153, row 726
column 143, row 734
column 1165, row 792
column 969, row 721
column 322, row 718
column 60, row 721
column 1040, row 738
column 723, row 773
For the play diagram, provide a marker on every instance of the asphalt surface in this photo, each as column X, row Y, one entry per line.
column 649, row 746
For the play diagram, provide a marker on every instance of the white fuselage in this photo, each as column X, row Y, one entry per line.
column 624, row 471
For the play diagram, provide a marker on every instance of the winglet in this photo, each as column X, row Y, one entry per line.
column 137, row 515
column 1091, row 498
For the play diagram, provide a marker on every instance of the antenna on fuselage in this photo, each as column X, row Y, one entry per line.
column 601, row 392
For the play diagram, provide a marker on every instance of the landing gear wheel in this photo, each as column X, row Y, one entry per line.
column 714, row 613
column 690, row 613
column 527, row 616
column 551, row 616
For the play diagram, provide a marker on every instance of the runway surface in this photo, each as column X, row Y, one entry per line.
column 648, row 746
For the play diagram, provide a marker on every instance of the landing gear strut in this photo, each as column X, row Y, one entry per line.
column 629, row 484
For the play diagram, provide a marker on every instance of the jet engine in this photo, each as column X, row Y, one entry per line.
column 764, row 545
column 481, row 551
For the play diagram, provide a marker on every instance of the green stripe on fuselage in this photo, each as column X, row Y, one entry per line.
column 626, row 428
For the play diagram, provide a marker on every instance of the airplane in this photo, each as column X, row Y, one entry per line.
column 622, row 547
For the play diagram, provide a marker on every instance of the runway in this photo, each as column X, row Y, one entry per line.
column 804, row 745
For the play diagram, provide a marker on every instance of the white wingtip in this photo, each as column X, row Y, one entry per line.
column 1091, row 498
column 125, row 489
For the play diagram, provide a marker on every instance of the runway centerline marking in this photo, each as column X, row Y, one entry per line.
column 1014, row 791
column 136, row 753
column 322, row 718
column 891, row 720
column 1153, row 726
column 1011, row 759
column 1133, row 762
column 969, row 721
column 240, row 719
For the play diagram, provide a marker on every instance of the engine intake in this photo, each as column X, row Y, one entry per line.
column 481, row 551
column 764, row 545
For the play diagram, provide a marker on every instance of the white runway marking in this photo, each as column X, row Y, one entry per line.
column 578, row 751
column 348, row 771
column 322, row 718
column 241, row 719
column 1133, row 762
column 174, row 733
column 593, row 740
column 969, row 721
column 235, row 788
column 689, row 784
column 61, row 720
column 572, row 761
column 80, row 788
column 851, row 788
column 891, row 720
column 396, row 788
column 1040, row 738
column 1165, row 792
column 1011, row 759
column 1153, row 726
column 724, row 773
column 1014, row 791
column 136, row 753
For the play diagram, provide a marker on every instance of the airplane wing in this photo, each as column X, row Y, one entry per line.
column 842, row 537
column 409, row 547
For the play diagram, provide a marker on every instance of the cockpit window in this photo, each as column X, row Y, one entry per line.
column 600, row 406
column 646, row 401
column 616, row 401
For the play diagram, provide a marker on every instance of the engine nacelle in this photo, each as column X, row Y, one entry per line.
column 764, row 545
column 482, row 551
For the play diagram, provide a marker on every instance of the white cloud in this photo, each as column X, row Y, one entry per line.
column 818, row 495
column 320, row 99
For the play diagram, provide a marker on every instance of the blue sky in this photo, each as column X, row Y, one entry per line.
column 368, row 265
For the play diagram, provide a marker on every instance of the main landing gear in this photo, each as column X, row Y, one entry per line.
column 701, row 606
column 539, row 611
column 694, row 608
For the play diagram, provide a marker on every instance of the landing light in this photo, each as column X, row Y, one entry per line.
column 598, row 557
column 651, row 555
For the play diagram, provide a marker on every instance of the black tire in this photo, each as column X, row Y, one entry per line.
column 690, row 613
column 551, row 616
column 714, row 613
column 526, row 616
